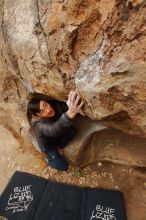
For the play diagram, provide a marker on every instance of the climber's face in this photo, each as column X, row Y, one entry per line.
column 46, row 110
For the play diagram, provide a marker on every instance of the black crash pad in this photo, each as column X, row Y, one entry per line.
column 28, row 197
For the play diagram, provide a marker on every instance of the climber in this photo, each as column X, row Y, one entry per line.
column 53, row 128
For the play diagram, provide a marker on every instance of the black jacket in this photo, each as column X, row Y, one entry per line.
column 49, row 131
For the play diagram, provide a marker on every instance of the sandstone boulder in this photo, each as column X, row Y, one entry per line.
column 94, row 47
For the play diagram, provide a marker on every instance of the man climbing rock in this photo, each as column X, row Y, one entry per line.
column 53, row 129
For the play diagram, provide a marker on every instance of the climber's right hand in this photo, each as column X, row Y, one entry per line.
column 74, row 105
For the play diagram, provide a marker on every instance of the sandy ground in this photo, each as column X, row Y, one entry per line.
column 132, row 182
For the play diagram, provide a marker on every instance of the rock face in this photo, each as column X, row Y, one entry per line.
column 94, row 47
column 95, row 143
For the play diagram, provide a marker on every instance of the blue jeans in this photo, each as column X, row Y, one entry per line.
column 54, row 159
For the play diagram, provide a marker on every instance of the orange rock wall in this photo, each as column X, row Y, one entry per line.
column 95, row 47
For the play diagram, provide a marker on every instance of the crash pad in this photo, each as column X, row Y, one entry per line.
column 29, row 197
